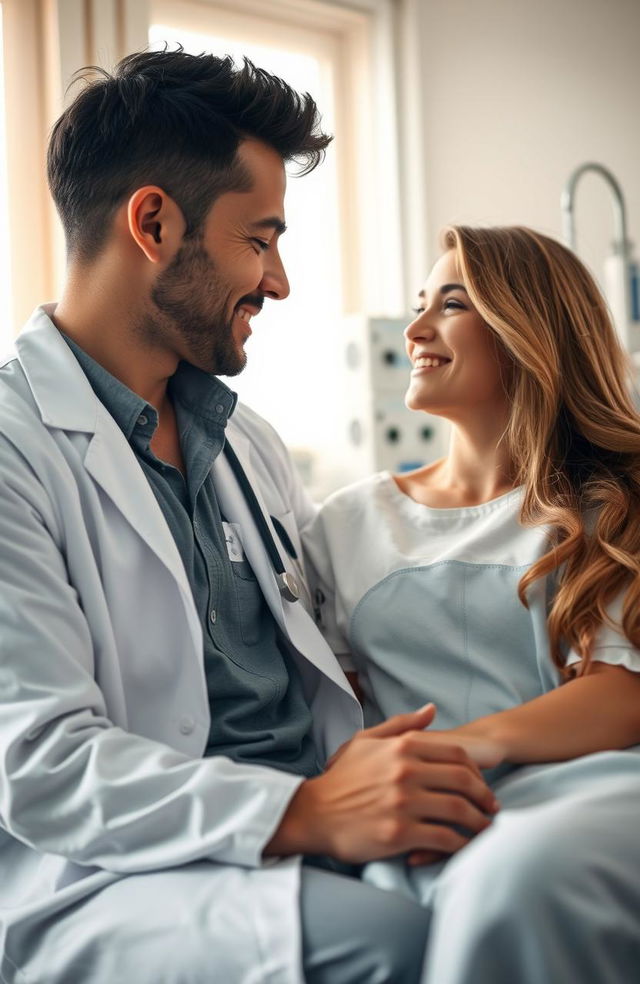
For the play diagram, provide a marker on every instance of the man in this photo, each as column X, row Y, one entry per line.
column 166, row 712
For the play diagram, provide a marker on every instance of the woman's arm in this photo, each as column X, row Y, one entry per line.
column 592, row 713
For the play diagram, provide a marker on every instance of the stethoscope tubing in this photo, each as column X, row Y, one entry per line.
column 286, row 582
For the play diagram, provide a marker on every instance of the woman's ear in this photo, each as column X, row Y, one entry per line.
column 155, row 223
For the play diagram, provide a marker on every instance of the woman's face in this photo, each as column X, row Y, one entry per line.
column 458, row 363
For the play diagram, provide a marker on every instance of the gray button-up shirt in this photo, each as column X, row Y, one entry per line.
column 258, row 711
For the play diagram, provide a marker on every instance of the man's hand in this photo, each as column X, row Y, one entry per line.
column 392, row 789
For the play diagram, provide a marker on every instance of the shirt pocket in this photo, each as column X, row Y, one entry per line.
column 253, row 610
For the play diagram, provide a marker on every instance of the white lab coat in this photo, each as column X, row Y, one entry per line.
column 104, row 713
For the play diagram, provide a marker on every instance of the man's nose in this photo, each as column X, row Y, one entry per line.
column 274, row 283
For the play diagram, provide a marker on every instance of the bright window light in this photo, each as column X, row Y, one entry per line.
column 291, row 355
column 6, row 319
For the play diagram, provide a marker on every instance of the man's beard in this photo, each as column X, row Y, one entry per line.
column 191, row 300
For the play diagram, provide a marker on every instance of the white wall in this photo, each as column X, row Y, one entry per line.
column 516, row 93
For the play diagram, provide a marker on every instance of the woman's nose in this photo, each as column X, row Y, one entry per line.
column 420, row 327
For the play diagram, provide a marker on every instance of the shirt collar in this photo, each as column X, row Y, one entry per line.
column 201, row 394
column 123, row 404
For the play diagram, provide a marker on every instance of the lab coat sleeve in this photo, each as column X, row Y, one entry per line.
column 72, row 783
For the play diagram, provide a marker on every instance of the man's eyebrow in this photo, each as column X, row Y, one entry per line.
column 271, row 222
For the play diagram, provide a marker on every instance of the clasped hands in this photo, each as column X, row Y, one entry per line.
column 393, row 789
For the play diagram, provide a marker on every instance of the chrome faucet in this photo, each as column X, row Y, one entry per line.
column 621, row 245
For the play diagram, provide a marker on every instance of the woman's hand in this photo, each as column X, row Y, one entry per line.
column 483, row 751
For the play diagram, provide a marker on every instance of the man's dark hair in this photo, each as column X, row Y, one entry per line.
column 172, row 119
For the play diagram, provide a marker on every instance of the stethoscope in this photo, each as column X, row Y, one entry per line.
column 287, row 583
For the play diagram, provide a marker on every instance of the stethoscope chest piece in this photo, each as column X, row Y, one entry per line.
column 288, row 586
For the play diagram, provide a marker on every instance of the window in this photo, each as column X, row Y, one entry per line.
column 27, row 261
column 287, row 333
column 6, row 313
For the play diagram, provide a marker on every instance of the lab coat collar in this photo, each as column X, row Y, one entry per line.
column 46, row 359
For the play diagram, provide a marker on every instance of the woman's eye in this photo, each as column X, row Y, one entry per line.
column 449, row 304
column 261, row 244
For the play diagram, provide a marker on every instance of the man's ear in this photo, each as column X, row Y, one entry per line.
column 156, row 223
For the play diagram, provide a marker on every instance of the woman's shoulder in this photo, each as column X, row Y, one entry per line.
column 358, row 493
column 358, row 505
column 408, row 497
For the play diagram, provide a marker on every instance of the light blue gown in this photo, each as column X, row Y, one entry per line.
column 423, row 604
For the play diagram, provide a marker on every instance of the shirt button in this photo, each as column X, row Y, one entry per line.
column 143, row 419
column 187, row 724
column 219, row 408
column 213, row 616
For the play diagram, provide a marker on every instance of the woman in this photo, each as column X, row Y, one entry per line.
column 503, row 584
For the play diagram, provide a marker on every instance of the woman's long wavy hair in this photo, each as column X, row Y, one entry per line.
column 573, row 433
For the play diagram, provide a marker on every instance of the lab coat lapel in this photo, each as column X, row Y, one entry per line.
column 73, row 407
column 113, row 466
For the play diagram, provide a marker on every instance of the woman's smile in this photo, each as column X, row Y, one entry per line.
column 429, row 361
